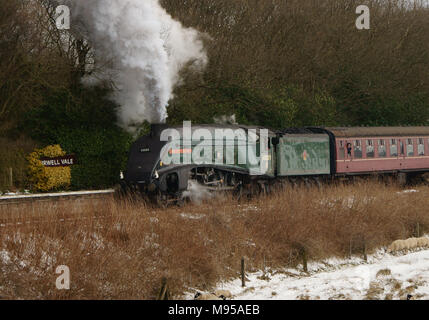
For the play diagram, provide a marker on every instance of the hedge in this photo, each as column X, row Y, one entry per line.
column 84, row 123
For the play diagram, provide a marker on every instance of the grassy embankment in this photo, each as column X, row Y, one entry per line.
column 122, row 249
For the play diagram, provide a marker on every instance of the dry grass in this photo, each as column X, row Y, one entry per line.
column 119, row 249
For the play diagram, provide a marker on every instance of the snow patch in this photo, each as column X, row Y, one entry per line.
column 383, row 276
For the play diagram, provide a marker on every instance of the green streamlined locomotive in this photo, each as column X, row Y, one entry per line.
column 242, row 159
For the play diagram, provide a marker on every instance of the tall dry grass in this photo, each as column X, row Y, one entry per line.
column 121, row 249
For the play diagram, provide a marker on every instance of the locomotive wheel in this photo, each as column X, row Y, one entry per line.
column 244, row 192
column 238, row 192
column 121, row 190
column 180, row 202
column 162, row 200
column 264, row 189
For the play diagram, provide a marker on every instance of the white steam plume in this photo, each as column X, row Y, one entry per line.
column 196, row 193
column 147, row 48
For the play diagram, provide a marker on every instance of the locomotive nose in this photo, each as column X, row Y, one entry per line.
column 143, row 158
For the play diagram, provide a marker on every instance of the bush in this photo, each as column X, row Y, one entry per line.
column 101, row 155
column 83, row 122
column 48, row 178
column 280, row 107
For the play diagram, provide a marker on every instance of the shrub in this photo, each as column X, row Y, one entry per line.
column 48, row 178
column 83, row 122
column 279, row 107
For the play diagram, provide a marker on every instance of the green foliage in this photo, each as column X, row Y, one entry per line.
column 386, row 110
column 280, row 107
column 293, row 106
column 83, row 123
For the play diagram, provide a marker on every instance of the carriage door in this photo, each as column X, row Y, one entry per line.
column 401, row 151
column 345, row 153
column 348, row 149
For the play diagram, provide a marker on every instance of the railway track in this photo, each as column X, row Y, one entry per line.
column 60, row 196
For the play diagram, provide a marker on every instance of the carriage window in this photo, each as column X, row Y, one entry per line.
column 341, row 151
column 421, row 147
column 369, row 149
column 357, row 149
column 349, row 149
column 393, row 148
column 381, row 148
column 410, row 147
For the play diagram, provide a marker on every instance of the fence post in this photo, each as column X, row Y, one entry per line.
column 304, row 259
column 163, row 293
column 365, row 257
column 418, row 230
column 10, row 177
column 350, row 248
column 243, row 276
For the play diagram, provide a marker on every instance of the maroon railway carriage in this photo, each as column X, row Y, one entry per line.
column 364, row 150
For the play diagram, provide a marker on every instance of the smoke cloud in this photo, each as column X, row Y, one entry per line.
column 147, row 48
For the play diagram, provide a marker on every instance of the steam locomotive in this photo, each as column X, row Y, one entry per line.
column 309, row 154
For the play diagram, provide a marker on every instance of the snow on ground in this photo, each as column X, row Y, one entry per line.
column 384, row 276
column 192, row 216
column 349, row 202
column 407, row 191
column 12, row 196
column 8, row 193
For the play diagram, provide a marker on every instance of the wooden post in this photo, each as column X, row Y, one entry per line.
column 163, row 293
column 418, row 230
column 304, row 259
column 10, row 177
column 350, row 248
column 365, row 257
column 265, row 265
column 243, row 276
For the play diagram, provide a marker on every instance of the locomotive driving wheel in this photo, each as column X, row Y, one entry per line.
column 164, row 200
